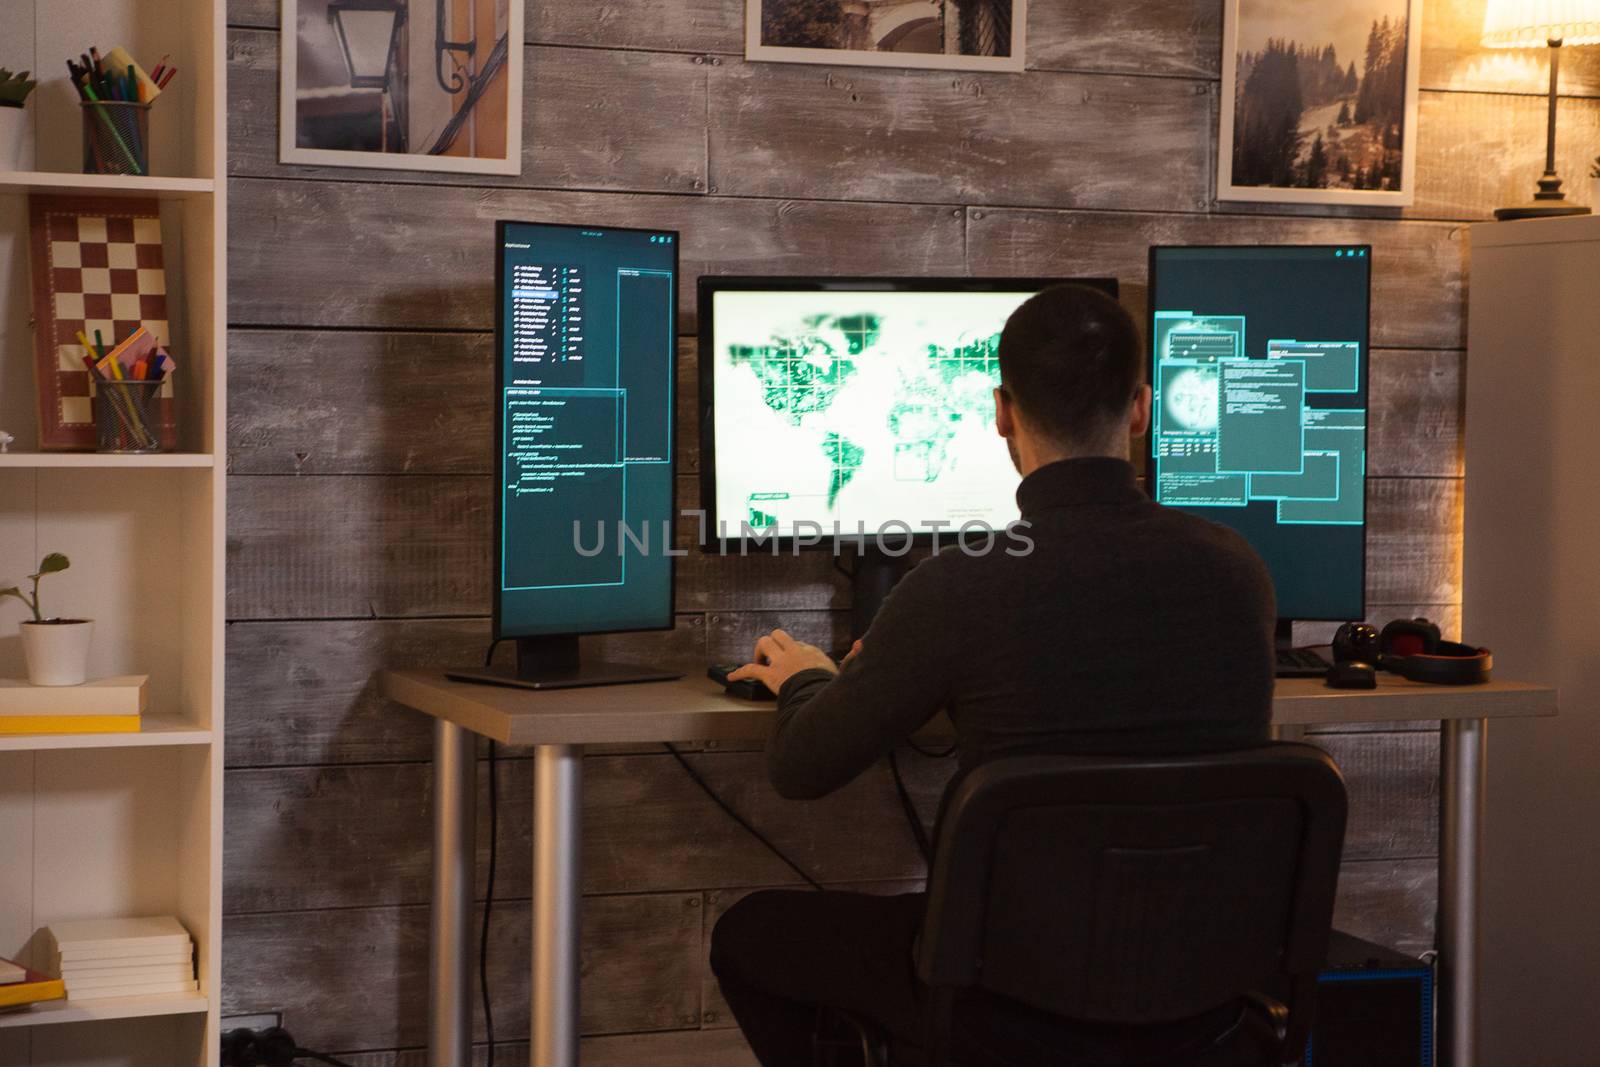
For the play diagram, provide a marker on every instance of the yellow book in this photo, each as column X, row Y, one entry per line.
column 68, row 724
column 27, row 987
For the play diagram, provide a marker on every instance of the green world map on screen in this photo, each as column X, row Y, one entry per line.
column 803, row 371
column 859, row 408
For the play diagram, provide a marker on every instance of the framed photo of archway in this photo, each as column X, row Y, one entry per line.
column 431, row 85
column 977, row 35
column 1319, row 101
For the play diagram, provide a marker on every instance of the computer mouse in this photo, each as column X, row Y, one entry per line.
column 746, row 689
column 1352, row 674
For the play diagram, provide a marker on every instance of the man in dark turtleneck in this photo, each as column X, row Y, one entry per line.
column 1127, row 628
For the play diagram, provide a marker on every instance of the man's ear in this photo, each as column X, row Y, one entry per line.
column 1005, row 419
column 1139, row 424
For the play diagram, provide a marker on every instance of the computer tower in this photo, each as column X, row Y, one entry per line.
column 1375, row 1008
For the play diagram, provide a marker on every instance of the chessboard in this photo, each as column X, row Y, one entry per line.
column 98, row 268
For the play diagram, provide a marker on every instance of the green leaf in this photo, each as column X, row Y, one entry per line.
column 13, row 591
column 54, row 563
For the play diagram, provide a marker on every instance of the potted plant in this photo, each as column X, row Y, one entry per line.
column 14, row 90
column 57, row 650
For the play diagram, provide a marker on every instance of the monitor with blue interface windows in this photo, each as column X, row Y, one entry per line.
column 1259, row 364
column 855, row 410
column 586, row 358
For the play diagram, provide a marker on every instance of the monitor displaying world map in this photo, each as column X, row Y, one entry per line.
column 858, row 411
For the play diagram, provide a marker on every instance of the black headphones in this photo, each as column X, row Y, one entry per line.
column 1413, row 649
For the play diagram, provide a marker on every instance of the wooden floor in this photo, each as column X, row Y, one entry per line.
column 360, row 469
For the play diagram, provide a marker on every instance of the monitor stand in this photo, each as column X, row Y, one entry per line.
column 1283, row 635
column 553, row 663
column 873, row 576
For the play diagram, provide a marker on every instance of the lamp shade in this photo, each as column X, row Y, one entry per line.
column 1535, row 23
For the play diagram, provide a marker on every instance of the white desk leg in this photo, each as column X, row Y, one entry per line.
column 1461, row 754
column 557, row 874
column 455, row 795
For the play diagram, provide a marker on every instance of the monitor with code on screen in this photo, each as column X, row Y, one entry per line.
column 585, row 392
column 1259, row 368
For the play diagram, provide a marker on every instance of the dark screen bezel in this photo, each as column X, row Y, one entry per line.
column 497, row 623
column 710, row 285
column 1366, row 372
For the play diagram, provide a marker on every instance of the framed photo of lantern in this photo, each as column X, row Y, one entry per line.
column 402, row 84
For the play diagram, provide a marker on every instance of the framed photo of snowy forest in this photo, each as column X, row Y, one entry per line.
column 1319, row 101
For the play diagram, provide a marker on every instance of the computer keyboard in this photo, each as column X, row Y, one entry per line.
column 1300, row 663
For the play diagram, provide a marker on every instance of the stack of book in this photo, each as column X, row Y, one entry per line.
column 108, row 705
column 100, row 958
column 20, row 987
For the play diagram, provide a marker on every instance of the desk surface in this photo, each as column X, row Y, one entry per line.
column 696, row 709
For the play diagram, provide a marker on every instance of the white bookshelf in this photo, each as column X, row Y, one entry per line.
column 155, row 730
column 34, row 181
column 93, row 1011
column 85, row 460
column 106, row 825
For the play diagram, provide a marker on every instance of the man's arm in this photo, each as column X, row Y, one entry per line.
column 834, row 723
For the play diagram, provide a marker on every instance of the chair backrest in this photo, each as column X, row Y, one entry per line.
column 1137, row 890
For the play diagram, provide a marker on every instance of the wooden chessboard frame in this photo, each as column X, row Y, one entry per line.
column 97, row 263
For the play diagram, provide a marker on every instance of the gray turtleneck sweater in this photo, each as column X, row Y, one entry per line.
column 1129, row 628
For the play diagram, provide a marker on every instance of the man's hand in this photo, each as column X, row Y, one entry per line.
column 779, row 657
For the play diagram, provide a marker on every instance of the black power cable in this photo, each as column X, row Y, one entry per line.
column 727, row 809
column 932, row 753
column 272, row 1047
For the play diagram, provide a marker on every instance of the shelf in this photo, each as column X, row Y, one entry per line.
column 162, row 460
column 157, row 730
column 84, row 1011
column 18, row 182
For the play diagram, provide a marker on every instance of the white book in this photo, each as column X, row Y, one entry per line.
column 114, row 935
column 132, row 990
column 78, row 964
column 152, row 977
column 124, row 695
column 127, row 955
column 10, row 973
column 165, row 972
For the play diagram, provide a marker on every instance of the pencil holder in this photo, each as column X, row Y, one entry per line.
column 126, row 416
column 116, row 137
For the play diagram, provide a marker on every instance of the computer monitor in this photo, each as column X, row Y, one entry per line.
column 856, row 410
column 586, row 354
column 1259, row 360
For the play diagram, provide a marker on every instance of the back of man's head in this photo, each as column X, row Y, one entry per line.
column 1071, row 361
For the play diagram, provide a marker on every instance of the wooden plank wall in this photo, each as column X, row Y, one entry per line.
column 359, row 464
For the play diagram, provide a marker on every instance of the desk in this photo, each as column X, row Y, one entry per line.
column 559, row 723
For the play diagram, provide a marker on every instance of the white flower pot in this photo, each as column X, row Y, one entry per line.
column 13, row 136
column 57, row 652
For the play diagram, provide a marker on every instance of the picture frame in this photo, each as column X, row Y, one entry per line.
column 970, row 35
column 387, row 84
column 1362, row 106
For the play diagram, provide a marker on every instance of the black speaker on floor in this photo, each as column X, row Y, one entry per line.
column 1375, row 1008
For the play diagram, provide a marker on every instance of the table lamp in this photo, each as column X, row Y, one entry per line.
column 1532, row 24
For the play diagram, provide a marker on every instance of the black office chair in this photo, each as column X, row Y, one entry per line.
column 1130, row 897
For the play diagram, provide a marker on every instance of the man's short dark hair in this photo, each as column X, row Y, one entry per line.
column 1071, row 360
